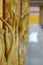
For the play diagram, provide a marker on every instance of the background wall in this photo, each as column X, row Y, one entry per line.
column 34, row 15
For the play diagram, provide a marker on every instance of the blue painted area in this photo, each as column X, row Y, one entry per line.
column 34, row 53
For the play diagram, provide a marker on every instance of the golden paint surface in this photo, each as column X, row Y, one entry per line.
column 1, row 12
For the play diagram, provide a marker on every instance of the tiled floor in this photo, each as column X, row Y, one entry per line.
column 34, row 53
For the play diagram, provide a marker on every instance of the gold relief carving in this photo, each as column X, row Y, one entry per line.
column 16, row 32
